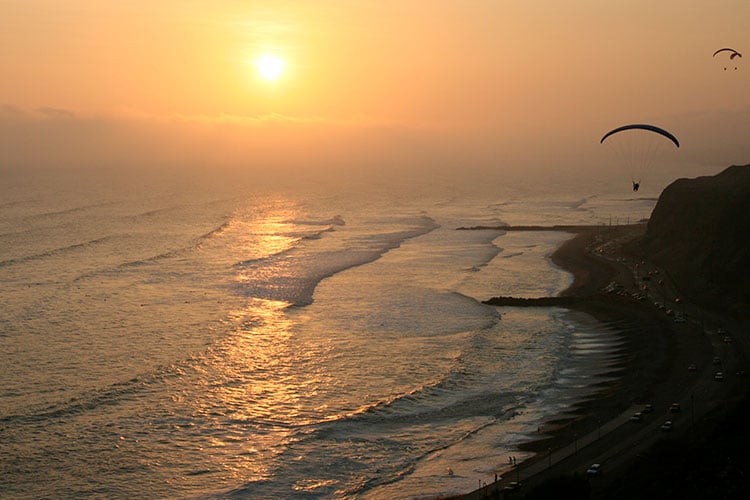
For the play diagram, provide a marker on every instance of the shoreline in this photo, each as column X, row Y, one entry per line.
column 654, row 361
column 636, row 323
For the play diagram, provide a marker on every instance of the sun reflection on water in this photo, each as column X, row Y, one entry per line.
column 265, row 383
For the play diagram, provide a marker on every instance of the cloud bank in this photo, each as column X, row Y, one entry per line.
column 52, row 138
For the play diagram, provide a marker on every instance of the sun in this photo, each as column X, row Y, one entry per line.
column 269, row 66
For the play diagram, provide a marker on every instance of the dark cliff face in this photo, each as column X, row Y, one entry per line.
column 699, row 232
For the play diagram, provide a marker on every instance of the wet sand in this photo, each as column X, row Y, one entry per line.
column 596, row 257
column 654, row 364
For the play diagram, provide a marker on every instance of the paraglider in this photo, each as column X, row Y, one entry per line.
column 637, row 146
column 733, row 54
column 651, row 128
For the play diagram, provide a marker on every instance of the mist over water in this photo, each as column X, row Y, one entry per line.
column 193, row 339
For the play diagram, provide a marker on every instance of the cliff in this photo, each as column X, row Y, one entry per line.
column 699, row 232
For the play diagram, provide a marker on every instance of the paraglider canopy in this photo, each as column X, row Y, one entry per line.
column 637, row 146
column 639, row 126
column 733, row 54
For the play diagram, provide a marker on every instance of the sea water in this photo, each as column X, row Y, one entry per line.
column 172, row 337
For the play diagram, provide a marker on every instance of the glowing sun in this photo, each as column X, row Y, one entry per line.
column 269, row 66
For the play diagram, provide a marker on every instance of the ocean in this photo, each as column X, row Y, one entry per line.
column 186, row 337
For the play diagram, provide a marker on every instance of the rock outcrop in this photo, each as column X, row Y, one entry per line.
column 699, row 232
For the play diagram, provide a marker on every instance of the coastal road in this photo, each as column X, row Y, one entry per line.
column 619, row 441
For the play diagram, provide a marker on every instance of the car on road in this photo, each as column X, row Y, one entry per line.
column 717, row 360
column 692, row 367
column 647, row 408
column 594, row 470
column 675, row 408
column 719, row 376
column 666, row 426
column 512, row 486
column 637, row 417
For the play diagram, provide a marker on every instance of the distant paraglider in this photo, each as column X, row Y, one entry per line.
column 637, row 147
column 730, row 53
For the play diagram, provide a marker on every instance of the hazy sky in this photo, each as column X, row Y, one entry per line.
column 449, row 84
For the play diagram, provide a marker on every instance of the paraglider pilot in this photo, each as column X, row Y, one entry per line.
column 640, row 126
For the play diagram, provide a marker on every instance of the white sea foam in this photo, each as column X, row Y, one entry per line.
column 153, row 346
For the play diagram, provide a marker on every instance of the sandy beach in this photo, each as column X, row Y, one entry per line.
column 613, row 284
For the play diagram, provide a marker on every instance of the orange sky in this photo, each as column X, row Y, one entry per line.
column 414, row 83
